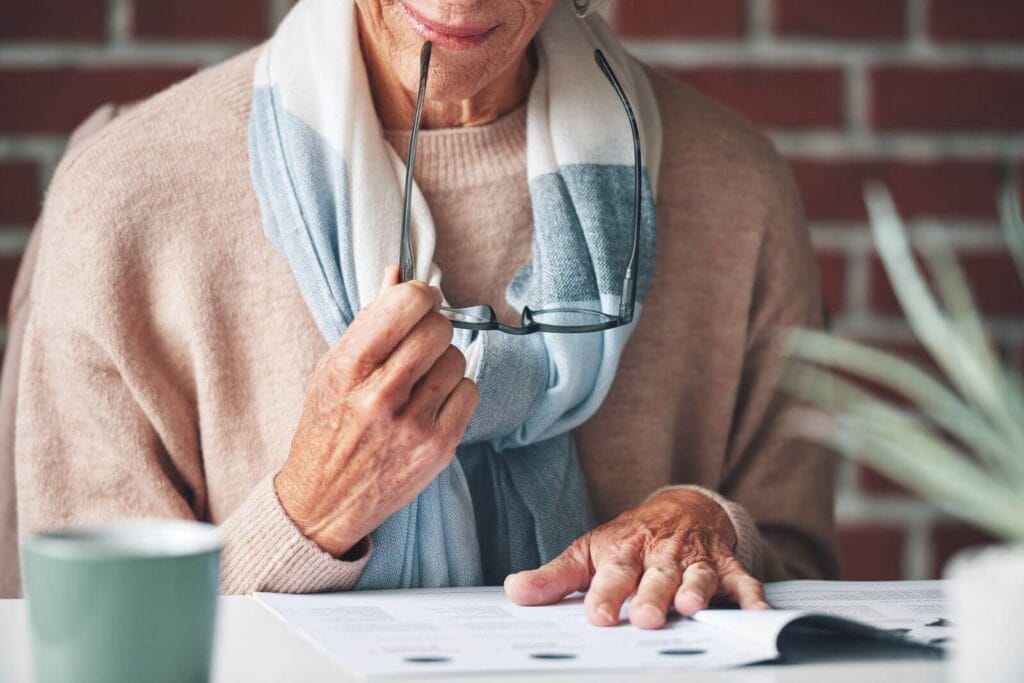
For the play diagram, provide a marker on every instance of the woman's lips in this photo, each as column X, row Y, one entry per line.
column 460, row 37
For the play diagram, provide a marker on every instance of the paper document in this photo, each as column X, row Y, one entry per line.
column 464, row 630
column 452, row 630
column 915, row 610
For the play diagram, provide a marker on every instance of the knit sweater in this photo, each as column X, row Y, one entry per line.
column 167, row 350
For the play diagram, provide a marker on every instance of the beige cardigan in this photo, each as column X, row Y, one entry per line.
column 166, row 347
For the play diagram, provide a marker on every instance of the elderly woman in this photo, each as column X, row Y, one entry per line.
column 217, row 329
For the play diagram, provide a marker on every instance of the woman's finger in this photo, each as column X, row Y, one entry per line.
column 740, row 587
column 453, row 417
column 658, row 585
column 615, row 579
column 390, row 277
column 699, row 585
column 567, row 573
column 415, row 356
column 381, row 326
column 440, row 381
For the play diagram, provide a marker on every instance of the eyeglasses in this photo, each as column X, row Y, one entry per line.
column 558, row 320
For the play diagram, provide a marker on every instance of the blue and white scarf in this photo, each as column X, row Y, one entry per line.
column 330, row 190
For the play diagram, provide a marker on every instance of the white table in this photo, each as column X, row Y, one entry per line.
column 253, row 646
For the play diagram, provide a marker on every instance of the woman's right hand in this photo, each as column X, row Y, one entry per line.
column 386, row 409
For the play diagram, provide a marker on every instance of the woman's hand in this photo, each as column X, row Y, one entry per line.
column 676, row 548
column 386, row 409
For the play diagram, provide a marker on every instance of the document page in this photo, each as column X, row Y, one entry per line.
column 459, row 630
column 916, row 610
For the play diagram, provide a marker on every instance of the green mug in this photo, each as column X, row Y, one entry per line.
column 131, row 601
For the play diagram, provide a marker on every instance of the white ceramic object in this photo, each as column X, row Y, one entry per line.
column 986, row 593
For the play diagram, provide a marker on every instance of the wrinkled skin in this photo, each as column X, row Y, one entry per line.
column 465, row 87
column 675, row 549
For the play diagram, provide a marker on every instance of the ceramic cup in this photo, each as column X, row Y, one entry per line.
column 132, row 601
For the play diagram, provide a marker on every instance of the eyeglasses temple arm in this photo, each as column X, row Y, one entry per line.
column 628, row 302
column 407, row 258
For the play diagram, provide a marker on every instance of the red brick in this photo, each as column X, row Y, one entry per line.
column 201, row 19
column 871, row 552
column 947, row 99
column 774, row 97
column 833, row 190
column 992, row 276
column 860, row 20
column 53, row 20
column 832, row 266
column 950, row 538
column 875, row 483
column 19, row 196
column 8, row 272
column 679, row 18
column 55, row 100
column 987, row 20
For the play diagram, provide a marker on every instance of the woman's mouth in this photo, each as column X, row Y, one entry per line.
column 461, row 36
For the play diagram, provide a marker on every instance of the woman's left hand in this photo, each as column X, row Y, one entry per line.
column 676, row 548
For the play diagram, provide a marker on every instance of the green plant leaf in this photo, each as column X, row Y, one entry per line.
column 902, row 446
column 927, row 394
column 981, row 384
column 1011, row 218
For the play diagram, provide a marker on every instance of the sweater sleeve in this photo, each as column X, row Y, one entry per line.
column 106, row 425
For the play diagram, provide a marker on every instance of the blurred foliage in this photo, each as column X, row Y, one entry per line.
column 955, row 439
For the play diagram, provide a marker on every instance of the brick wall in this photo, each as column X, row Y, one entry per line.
column 927, row 95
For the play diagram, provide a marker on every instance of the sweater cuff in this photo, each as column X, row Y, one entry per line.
column 750, row 547
column 265, row 551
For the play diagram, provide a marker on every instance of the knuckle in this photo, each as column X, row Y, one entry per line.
column 630, row 544
column 621, row 566
column 417, row 292
column 730, row 565
column 388, row 386
column 358, row 358
column 430, row 335
column 697, row 553
column 369, row 402
column 702, row 571
column 394, row 382
column 363, row 404
column 707, row 569
column 440, row 330
column 670, row 546
column 664, row 573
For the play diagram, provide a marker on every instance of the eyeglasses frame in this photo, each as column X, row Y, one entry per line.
column 528, row 325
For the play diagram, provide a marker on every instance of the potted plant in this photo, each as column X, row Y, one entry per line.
column 956, row 440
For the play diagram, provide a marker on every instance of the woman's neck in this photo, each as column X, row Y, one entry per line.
column 396, row 106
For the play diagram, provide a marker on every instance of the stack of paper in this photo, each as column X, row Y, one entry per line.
column 458, row 630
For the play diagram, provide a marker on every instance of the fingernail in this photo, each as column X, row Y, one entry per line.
column 762, row 605
column 691, row 602
column 649, row 614
column 604, row 613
